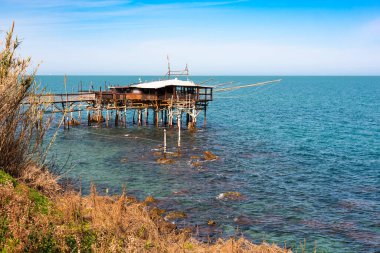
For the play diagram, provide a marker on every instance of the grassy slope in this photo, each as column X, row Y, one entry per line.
column 29, row 221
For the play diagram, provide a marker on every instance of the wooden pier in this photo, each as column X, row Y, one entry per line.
column 167, row 100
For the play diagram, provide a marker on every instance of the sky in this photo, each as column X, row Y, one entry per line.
column 222, row 37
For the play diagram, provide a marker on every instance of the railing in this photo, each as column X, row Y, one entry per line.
column 60, row 98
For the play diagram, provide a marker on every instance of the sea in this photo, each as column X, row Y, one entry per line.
column 304, row 154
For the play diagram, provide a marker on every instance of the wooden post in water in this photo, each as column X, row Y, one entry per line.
column 204, row 117
column 165, row 117
column 88, row 117
column 107, row 117
column 125, row 116
column 121, row 117
column 170, row 117
column 164, row 142
column 156, row 118
column 179, row 131
column 139, row 117
column 116, row 118
column 146, row 116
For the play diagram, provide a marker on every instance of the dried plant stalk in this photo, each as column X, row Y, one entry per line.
column 22, row 123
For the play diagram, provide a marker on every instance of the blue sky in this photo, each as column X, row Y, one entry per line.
column 228, row 37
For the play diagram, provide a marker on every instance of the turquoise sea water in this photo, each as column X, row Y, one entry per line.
column 305, row 154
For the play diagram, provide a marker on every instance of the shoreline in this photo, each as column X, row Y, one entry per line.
column 69, row 221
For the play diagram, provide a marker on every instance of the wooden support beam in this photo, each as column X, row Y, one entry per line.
column 204, row 117
column 146, row 116
column 117, row 118
column 156, row 118
column 107, row 117
column 125, row 116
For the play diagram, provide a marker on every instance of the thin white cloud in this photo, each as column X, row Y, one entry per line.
column 51, row 4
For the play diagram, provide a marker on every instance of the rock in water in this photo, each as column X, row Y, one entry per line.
column 196, row 164
column 175, row 215
column 164, row 160
column 208, row 155
column 230, row 196
column 211, row 223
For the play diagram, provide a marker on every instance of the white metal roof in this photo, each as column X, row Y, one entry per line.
column 164, row 83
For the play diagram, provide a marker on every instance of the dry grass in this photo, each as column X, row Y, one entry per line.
column 72, row 223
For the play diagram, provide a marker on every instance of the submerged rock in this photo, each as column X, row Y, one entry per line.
column 243, row 220
column 157, row 153
column 164, row 160
column 173, row 154
column 175, row 215
column 195, row 157
column 181, row 192
column 230, row 196
column 211, row 223
column 208, row 155
column 124, row 160
column 196, row 164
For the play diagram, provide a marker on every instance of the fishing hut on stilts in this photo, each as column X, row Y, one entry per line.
column 168, row 100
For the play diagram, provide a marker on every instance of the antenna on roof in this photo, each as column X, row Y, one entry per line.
column 167, row 57
column 176, row 73
column 186, row 71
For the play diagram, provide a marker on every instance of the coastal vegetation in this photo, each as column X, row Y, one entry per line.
column 38, row 214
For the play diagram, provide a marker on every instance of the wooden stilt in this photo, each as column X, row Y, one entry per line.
column 156, row 118
column 107, row 117
column 140, row 117
column 125, row 116
column 204, row 117
column 146, row 116
column 179, row 131
column 164, row 142
column 165, row 117
column 116, row 118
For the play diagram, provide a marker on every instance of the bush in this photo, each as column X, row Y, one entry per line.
column 22, row 124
